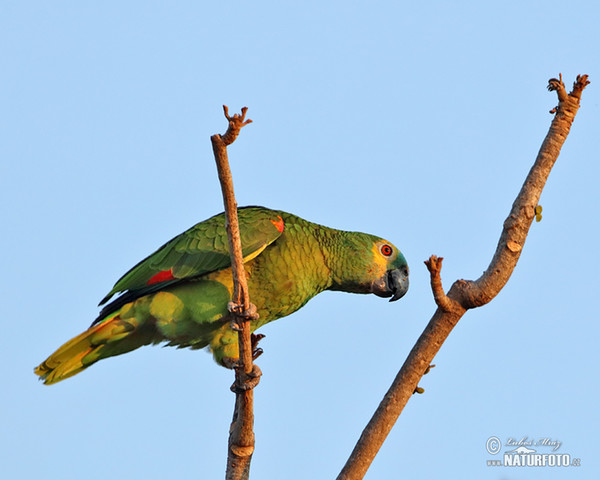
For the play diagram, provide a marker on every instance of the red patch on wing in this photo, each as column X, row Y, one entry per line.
column 278, row 223
column 161, row 277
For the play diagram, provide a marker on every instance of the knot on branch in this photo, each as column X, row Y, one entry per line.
column 471, row 294
column 434, row 265
column 514, row 246
column 242, row 451
column 235, row 125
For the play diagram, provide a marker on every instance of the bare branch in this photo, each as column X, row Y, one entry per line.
column 241, row 434
column 516, row 226
column 468, row 294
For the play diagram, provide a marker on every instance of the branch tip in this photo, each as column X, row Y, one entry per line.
column 557, row 85
column 434, row 264
column 580, row 83
column 236, row 122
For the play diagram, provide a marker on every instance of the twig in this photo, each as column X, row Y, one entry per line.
column 434, row 265
column 468, row 294
column 241, row 434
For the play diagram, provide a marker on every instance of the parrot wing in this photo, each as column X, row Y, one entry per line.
column 200, row 250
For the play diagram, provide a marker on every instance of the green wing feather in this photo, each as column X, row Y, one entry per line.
column 200, row 250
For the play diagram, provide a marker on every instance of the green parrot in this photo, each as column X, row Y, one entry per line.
column 180, row 293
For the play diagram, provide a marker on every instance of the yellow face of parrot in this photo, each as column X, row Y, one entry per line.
column 392, row 270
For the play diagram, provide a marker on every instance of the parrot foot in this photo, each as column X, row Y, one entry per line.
column 239, row 314
column 247, row 380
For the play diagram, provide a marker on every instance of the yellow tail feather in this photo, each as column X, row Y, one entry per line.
column 87, row 348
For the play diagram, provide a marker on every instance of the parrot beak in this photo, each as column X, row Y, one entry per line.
column 397, row 281
column 394, row 283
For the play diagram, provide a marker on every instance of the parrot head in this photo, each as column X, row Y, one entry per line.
column 373, row 265
column 393, row 281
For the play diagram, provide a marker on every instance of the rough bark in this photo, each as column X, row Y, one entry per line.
column 241, row 434
column 466, row 294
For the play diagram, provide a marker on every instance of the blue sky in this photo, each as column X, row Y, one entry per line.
column 417, row 123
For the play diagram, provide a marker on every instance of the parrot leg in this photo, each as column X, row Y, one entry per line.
column 234, row 362
column 245, row 381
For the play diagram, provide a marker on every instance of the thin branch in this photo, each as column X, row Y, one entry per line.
column 434, row 265
column 241, row 434
column 468, row 294
column 516, row 226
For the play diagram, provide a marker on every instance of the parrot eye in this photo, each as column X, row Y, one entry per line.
column 386, row 250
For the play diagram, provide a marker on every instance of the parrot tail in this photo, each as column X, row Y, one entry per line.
column 112, row 336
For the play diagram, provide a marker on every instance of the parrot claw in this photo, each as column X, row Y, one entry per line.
column 255, row 338
column 239, row 314
column 249, row 314
column 256, row 350
column 248, row 380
